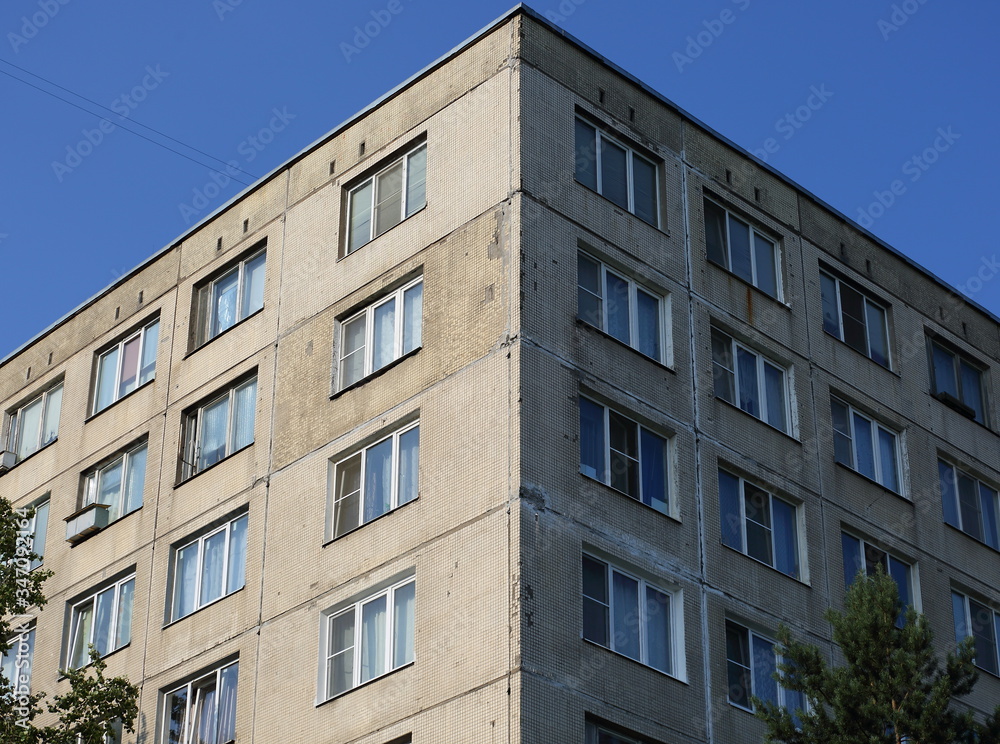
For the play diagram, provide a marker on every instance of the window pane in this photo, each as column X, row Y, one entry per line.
column 658, row 629
column 50, row 426
column 738, row 665
column 589, row 303
column 949, row 494
column 360, row 218
column 107, row 367
column 988, row 499
column 618, row 307
column 413, row 308
column 373, row 656
column 644, row 176
column 614, row 173
column 416, row 181
column 757, row 507
column 346, row 505
column 984, row 633
column 972, row 390
column 648, row 324
column 403, row 600
column 384, row 341
column 969, row 504
column 30, row 421
column 110, row 488
column 104, row 621
column 204, row 713
column 213, row 557
column 388, row 198
column 958, row 615
column 654, row 470
column 150, row 338
column 586, row 155
column 729, row 510
column 409, row 455
column 739, row 249
column 176, row 715
column 774, row 389
column 764, row 258
column 341, row 665
column 83, row 618
column 595, row 601
column 626, row 615
column 786, row 555
column 944, row 371
column 764, row 666
column 352, row 366
column 123, row 625
column 243, row 415
column 900, row 573
column 40, row 530
column 887, row 459
column 715, row 234
column 253, row 285
column 851, row 548
column 129, row 377
column 215, row 419
column 853, row 305
column 185, row 581
column 624, row 454
column 864, row 446
column 378, row 479
column 746, row 378
column 842, row 447
column 877, row 340
column 224, row 302
column 592, row 439
column 831, row 308
column 722, row 367
column 227, row 703
column 136, row 480
column 236, row 569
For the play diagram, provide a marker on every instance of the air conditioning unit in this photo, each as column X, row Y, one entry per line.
column 92, row 518
column 7, row 460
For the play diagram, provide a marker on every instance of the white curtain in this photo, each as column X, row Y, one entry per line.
column 243, row 415
column 413, row 308
column 404, row 599
column 213, row 433
column 237, row 555
column 409, row 455
column 123, row 631
column 185, row 581
column 378, row 479
column 373, row 616
column 136, row 480
column 384, row 341
column 214, row 555
column 253, row 286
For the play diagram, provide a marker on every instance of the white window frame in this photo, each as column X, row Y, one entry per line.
column 355, row 608
column 866, row 546
column 720, row 370
column 851, row 437
column 192, row 691
column 959, row 400
column 194, row 424
column 868, row 301
column 207, row 311
column 754, row 234
column 742, row 484
column 782, row 693
column 367, row 316
column 42, row 506
column 143, row 334
column 73, row 654
column 17, row 665
column 406, row 210
column 362, row 454
column 630, row 155
column 675, row 616
column 967, row 624
column 634, row 288
column 92, row 482
column 200, row 541
column 983, row 493
column 16, row 419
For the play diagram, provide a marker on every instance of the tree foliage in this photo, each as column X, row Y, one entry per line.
column 891, row 687
column 84, row 714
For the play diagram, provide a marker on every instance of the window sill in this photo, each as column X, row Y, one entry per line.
column 890, row 370
column 591, row 327
column 957, row 405
column 735, row 407
column 191, row 477
column 624, row 210
column 777, row 300
column 644, row 505
column 32, row 454
column 371, row 521
column 339, row 695
column 114, row 403
column 766, row 565
column 237, row 324
column 373, row 375
column 865, row 478
column 203, row 607
column 668, row 675
column 361, row 247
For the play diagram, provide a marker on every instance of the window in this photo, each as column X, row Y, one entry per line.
column 758, row 524
column 864, row 445
column 39, row 526
column 599, row 734
column 738, row 247
column 103, row 620
column 627, row 615
column 209, row 568
column 969, row 504
column 620, row 307
column 203, row 711
column 860, row 555
column 36, row 424
column 219, row 428
column 975, row 619
column 369, row 638
column 15, row 663
column 381, row 333
column 855, row 319
column 384, row 200
column 616, row 172
column 748, row 380
column 958, row 381
column 751, row 662
column 375, row 480
column 126, row 366
column 620, row 453
column 233, row 296
column 119, row 484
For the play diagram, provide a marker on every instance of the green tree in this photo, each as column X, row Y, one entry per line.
column 891, row 687
column 85, row 713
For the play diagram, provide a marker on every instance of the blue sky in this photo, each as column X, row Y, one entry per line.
column 886, row 110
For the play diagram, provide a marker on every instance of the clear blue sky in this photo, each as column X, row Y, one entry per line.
column 211, row 74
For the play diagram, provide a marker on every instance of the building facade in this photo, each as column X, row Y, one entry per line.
column 522, row 407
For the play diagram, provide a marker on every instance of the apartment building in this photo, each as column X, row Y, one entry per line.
column 522, row 407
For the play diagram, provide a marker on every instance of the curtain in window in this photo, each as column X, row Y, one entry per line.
column 123, row 630
column 205, row 712
column 136, row 480
column 877, row 340
column 746, row 365
column 243, row 416
column 110, row 488
column 413, row 308
column 887, row 458
column 378, row 479
column 228, row 679
column 373, row 650
column 253, row 286
column 624, row 455
column 224, row 302
column 186, row 581
column 404, row 599
column 389, row 198
column 786, row 557
column 213, row 433
column 409, row 455
column 103, row 621
column 644, row 181
column 764, row 666
column 416, row 181
column 107, row 367
column 864, row 446
column 147, row 367
column 31, row 417
column 972, row 389
column 592, row 439
column 648, row 324
column 739, row 249
column 774, row 389
column 625, row 621
column 988, row 500
column 361, row 216
column 969, row 504
column 214, row 554
column 384, row 339
column 658, row 629
column 129, row 375
column 237, row 555
column 766, row 280
column 949, row 496
column 614, row 173
column 851, row 550
column 618, row 307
